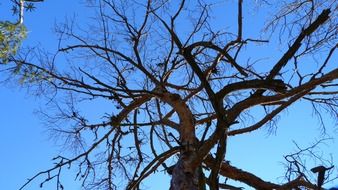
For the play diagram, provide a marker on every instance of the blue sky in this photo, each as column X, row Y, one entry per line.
column 25, row 142
column 27, row 149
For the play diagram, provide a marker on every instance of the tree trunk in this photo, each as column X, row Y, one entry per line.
column 187, row 176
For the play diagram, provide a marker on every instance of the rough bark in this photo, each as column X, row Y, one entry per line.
column 185, row 176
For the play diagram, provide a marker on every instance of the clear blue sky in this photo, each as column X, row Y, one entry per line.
column 26, row 148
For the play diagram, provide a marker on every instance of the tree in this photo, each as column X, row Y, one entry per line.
column 176, row 94
column 13, row 33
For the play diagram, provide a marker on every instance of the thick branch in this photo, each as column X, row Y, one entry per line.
column 321, row 19
column 274, row 85
column 268, row 117
column 210, row 45
column 252, row 180
column 252, row 101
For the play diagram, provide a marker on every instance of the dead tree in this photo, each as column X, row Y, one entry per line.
column 169, row 82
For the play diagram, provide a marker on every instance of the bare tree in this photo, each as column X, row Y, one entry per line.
column 176, row 84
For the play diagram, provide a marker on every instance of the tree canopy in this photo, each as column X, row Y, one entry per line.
column 12, row 33
column 169, row 83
